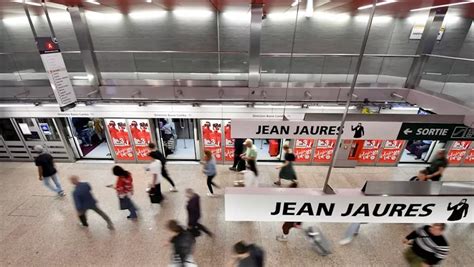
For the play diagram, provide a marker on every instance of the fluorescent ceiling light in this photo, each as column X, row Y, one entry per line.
column 405, row 108
column 274, row 106
column 282, row 15
column 309, row 9
column 295, row 3
column 149, row 1
column 16, row 105
column 223, row 106
column 377, row 19
column 92, row 2
column 103, row 17
column 378, row 4
column 193, row 13
column 27, row 2
column 431, row 7
column 334, row 17
column 331, row 107
column 50, row 105
column 80, row 78
column 145, row 15
column 18, row 20
column 243, row 16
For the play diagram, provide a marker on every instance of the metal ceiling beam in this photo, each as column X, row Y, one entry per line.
column 254, row 48
column 86, row 47
column 425, row 46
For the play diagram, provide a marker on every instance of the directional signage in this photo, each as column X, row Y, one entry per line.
column 434, row 131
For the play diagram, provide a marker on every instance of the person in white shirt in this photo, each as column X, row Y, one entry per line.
column 155, row 168
column 250, row 176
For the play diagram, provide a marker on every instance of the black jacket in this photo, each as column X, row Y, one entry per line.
column 194, row 210
column 431, row 248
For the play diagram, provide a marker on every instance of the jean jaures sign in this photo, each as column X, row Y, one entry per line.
column 349, row 206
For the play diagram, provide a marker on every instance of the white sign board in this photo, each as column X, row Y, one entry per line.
column 417, row 32
column 314, row 129
column 25, row 129
column 348, row 206
column 59, row 79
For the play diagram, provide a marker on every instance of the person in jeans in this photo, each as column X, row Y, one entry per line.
column 438, row 166
column 156, row 154
column 47, row 170
column 428, row 245
column 193, row 207
column 83, row 200
column 286, row 227
column 209, row 169
column 124, row 188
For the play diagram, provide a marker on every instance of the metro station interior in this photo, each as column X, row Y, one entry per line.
column 354, row 99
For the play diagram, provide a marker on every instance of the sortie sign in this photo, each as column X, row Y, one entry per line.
column 434, row 131
column 348, row 206
column 366, row 130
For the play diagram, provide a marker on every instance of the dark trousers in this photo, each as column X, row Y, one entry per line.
column 236, row 160
column 102, row 214
column 287, row 226
column 210, row 183
column 201, row 227
column 165, row 175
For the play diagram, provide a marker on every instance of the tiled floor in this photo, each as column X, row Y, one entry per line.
column 37, row 229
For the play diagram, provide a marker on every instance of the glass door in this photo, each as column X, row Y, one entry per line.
column 177, row 138
column 11, row 147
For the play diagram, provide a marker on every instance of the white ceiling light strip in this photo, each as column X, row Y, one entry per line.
column 378, row 4
column 309, row 8
column 431, row 7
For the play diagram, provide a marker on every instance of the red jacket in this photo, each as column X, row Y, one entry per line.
column 124, row 185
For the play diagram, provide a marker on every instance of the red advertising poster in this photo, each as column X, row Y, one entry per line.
column 391, row 151
column 324, row 150
column 118, row 132
column 369, row 151
column 212, row 137
column 469, row 160
column 458, row 151
column 302, row 150
column 140, row 130
column 229, row 142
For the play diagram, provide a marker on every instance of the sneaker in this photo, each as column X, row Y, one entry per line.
column 232, row 168
column 82, row 225
column 210, row 195
column 110, row 227
column 62, row 194
column 173, row 189
column 345, row 241
column 277, row 183
column 282, row 238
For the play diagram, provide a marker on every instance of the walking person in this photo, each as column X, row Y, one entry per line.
column 287, row 172
column 438, row 166
column 247, row 255
column 210, row 170
column 154, row 190
column 250, row 151
column 124, row 188
column 286, row 227
column 183, row 244
column 428, row 245
column 239, row 164
column 250, row 178
column 156, row 154
column 47, row 170
column 84, row 200
column 421, row 176
column 193, row 207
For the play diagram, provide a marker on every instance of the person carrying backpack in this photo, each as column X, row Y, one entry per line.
column 183, row 244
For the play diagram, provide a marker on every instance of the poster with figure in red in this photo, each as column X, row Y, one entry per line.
column 229, row 142
column 391, row 151
column 324, row 150
column 302, row 150
column 140, row 130
column 469, row 160
column 369, row 151
column 458, row 151
column 121, row 142
column 211, row 137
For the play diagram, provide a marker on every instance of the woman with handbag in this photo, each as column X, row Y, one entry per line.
column 155, row 169
column 124, row 188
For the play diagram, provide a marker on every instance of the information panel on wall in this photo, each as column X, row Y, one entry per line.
column 348, row 206
column 118, row 132
column 57, row 73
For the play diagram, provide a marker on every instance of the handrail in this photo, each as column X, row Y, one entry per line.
column 448, row 57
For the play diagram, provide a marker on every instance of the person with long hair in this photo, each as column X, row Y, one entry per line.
column 210, row 170
column 124, row 188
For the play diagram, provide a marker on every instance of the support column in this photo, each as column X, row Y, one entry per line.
column 254, row 47
column 86, row 47
column 425, row 46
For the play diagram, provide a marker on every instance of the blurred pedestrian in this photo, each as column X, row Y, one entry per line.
column 286, row 227
column 438, row 166
column 154, row 190
column 238, row 150
column 210, row 170
column 250, row 151
column 421, row 176
column 248, row 255
column 287, row 171
column 124, row 188
column 156, row 154
column 250, row 176
column 183, row 244
column 428, row 245
column 47, row 170
column 193, row 207
column 84, row 200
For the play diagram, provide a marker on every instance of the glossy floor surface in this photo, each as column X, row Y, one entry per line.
column 38, row 229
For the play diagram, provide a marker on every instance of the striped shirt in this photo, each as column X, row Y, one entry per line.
column 427, row 246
